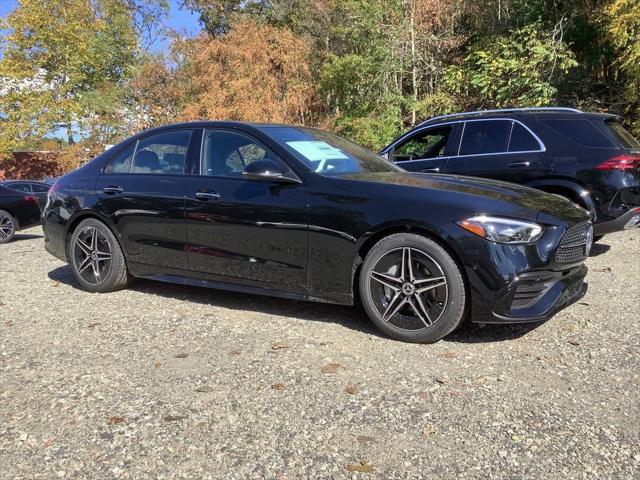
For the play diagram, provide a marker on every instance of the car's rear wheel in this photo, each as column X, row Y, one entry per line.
column 8, row 226
column 412, row 289
column 96, row 258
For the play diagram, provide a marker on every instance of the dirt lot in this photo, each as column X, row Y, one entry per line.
column 163, row 381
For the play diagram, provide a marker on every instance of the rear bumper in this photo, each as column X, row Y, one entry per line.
column 626, row 221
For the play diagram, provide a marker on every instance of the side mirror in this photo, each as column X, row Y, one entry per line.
column 267, row 171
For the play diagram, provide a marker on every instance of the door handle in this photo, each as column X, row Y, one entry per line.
column 520, row 164
column 112, row 189
column 207, row 196
column 436, row 169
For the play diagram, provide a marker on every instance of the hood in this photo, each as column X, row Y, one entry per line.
column 533, row 204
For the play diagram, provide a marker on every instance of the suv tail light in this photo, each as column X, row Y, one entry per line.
column 620, row 162
column 30, row 199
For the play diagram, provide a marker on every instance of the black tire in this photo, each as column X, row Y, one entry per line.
column 94, row 271
column 422, row 317
column 8, row 226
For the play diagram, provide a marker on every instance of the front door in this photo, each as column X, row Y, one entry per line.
column 427, row 150
column 245, row 231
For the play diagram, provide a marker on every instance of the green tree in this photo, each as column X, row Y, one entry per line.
column 519, row 69
column 62, row 63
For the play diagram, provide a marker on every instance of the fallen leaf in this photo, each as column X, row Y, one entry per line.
column 442, row 380
column 365, row 439
column 204, row 389
column 48, row 442
column 363, row 467
column 575, row 343
column 114, row 420
column 9, row 323
column 157, row 364
column 449, row 354
column 351, row 390
column 331, row 368
column 279, row 346
column 429, row 430
column 93, row 325
column 584, row 303
column 234, row 352
column 278, row 386
column 182, row 355
column 174, row 418
column 54, row 283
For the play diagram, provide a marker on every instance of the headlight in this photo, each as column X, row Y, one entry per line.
column 502, row 230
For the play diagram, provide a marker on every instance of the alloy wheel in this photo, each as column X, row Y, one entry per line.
column 6, row 226
column 92, row 255
column 409, row 289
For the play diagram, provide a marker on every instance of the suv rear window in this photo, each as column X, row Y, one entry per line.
column 580, row 131
column 624, row 137
column 485, row 136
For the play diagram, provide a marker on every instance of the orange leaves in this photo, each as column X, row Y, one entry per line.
column 253, row 73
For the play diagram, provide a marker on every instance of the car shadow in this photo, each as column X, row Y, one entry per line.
column 25, row 236
column 350, row 317
column 598, row 249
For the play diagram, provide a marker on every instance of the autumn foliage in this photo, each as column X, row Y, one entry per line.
column 254, row 73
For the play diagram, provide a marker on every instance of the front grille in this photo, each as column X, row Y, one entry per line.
column 575, row 244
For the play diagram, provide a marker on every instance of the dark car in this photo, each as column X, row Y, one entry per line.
column 35, row 188
column 17, row 212
column 588, row 158
column 300, row 213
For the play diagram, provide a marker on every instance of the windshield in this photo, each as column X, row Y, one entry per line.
column 328, row 154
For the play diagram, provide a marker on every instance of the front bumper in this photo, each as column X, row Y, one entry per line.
column 537, row 296
column 522, row 283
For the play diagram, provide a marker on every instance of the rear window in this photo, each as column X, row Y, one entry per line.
column 624, row 137
column 581, row 131
column 486, row 136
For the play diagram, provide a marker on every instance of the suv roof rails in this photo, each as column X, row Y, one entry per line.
column 503, row 110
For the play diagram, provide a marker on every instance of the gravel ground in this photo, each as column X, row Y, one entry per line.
column 164, row 381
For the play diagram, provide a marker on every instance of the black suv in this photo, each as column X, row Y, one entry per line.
column 588, row 158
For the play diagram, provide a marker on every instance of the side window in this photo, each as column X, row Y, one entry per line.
column 429, row 143
column 522, row 140
column 582, row 132
column 485, row 136
column 121, row 163
column 20, row 187
column 37, row 188
column 226, row 153
column 163, row 153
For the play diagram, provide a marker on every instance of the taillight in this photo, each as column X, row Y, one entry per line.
column 620, row 162
column 30, row 199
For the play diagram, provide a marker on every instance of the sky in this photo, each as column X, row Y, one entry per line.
column 178, row 19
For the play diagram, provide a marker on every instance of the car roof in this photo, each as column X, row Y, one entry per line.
column 518, row 113
column 218, row 123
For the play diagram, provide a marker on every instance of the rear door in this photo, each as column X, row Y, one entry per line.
column 142, row 191
column 503, row 149
column 426, row 150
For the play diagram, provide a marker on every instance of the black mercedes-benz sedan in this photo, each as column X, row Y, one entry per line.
column 301, row 213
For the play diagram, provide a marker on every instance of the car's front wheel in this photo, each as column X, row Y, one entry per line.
column 96, row 258
column 412, row 289
column 8, row 226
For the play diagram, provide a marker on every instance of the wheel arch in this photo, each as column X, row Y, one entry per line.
column 569, row 189
column 75, row 220
column 366, row 244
